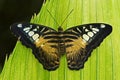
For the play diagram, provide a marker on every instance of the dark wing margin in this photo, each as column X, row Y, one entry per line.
column 32, row 36
column 89, row 37
column 28, row 33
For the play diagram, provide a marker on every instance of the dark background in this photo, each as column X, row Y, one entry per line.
column 12, row 11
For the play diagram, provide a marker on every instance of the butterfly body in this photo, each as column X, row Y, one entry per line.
column 49, row 45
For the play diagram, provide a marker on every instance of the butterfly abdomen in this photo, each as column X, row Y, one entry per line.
column 61, row 48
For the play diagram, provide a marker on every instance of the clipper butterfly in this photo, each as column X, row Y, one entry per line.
column 48, row 45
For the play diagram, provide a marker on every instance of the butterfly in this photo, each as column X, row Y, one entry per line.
column 48, row 45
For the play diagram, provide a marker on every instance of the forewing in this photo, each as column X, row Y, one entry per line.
column 33, row 36
column 88, row 37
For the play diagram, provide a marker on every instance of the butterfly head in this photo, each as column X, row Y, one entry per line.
column 60, row 29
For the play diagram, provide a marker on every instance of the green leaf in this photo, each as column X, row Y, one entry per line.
column 104, row 62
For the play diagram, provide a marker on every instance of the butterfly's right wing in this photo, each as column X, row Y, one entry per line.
column 37, row 37
column 81, row 40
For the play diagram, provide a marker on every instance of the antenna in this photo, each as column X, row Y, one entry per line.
column 53, row 17
column 63, row 20
column 66, row 17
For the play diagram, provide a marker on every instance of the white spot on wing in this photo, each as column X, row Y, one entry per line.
column 30, row 26
column 86, row 30
column 91, row 26
column 86, row 37
column 19, row 25
column 90, row 34
column 35, row 29
column 83, row 27
column 31, row 33
column 27, row 28
column 38, row 27
column 27, row 31
column 79, row 30
column 35, row 36
column 42, row 29
column 94, row 32
column 36, row 40
column 95, row 29
column 102, row 26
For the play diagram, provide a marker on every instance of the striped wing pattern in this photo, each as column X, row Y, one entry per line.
column 89, row 36
column 49, row 45
column 34, row 36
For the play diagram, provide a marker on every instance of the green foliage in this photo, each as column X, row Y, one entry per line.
column 103, row 64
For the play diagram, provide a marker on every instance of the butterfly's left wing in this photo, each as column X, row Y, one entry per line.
column 82, row 40
column 37, row 38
